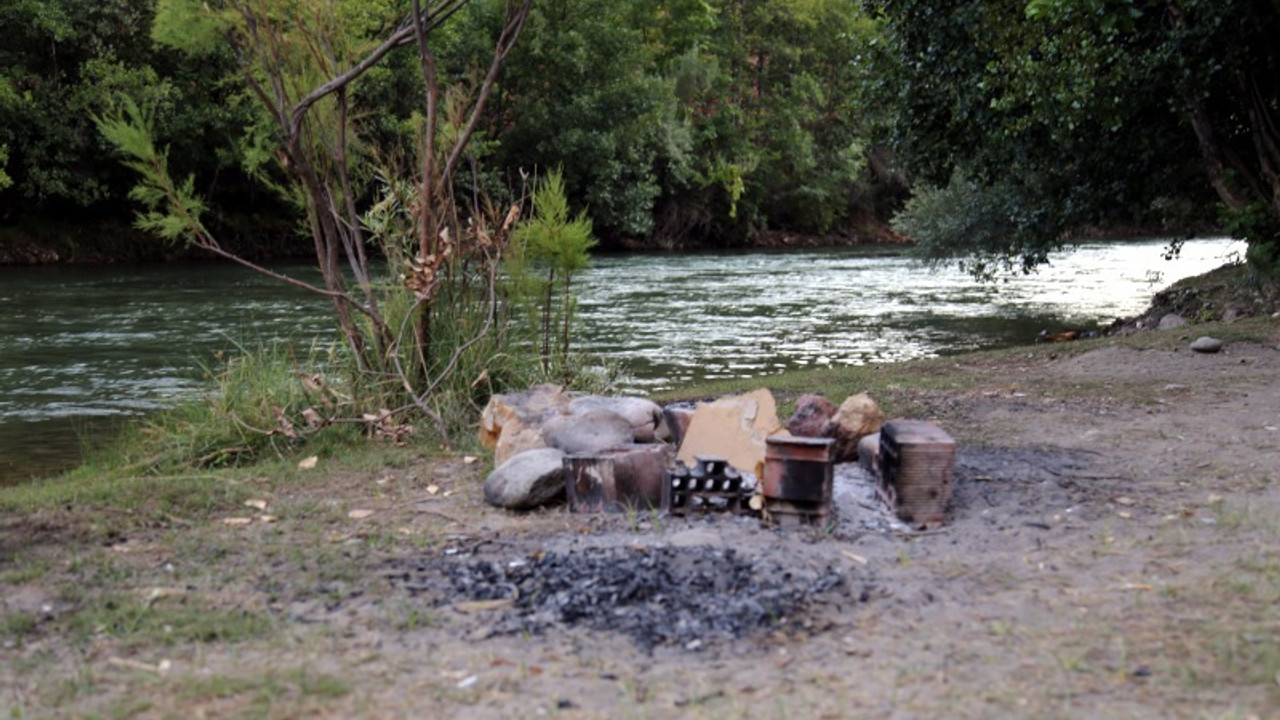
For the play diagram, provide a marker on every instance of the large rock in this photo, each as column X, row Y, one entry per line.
column 1171, row 321
column 1207, row 345
column 588, row 432
column 644, row 415
column 529, row 480
column 858, row 417
column 812, row 414
column 733, row 428
column 531, row 408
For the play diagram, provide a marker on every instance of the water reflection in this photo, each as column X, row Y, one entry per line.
column 672, row 319
column 84, row 343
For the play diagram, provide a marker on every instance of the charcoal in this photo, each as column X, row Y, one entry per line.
column 655, row 596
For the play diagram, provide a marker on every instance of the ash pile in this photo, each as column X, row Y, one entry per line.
column 665, row 596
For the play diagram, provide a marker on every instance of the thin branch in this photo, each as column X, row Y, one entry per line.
column 403, row 35
column 506, row 41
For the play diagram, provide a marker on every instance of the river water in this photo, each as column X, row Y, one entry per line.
column 81, row 348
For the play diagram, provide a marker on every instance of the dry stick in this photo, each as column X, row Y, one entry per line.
column 359, row 263
column 427, row 227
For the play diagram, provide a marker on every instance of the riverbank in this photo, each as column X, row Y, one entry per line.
column 112, row 242
column 1111, row 551
column 118, row 242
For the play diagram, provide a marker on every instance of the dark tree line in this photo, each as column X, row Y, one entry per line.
column 1015, row 123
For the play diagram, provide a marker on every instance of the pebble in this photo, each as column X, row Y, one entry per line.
column 1207, row 344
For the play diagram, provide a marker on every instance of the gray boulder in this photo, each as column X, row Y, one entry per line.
column 644, row 415
column 531, row 479
column 587, row 432
column 1171, row 321
column 1207, row 345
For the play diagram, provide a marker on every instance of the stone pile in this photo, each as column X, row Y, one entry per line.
column 534, row 431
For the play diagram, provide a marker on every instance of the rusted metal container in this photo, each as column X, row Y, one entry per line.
column 797, row 482
column 917, row 463
column 622, row 478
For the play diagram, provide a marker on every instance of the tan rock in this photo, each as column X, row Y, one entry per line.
column 858, row 417
column 532, row 407
column 516, row 438
column 733, row 428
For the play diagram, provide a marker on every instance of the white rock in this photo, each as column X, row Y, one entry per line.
column 1207, row 344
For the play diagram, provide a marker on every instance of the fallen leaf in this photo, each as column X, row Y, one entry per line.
column 1214, row 498
column 268, row 518
column 256, row 504
column 1125, row 514
column 433, row 489
column 158, row 593
column 468, row 459
column 1122, row 500
column 308, row 463
column 360, row 514
column 468, row 682
column 236, row 521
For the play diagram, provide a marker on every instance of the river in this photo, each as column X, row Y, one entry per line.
column 82, row 348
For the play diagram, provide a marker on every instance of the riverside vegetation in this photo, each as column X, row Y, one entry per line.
column 1109, row 553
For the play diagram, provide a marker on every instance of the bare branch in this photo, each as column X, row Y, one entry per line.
column 506, row 41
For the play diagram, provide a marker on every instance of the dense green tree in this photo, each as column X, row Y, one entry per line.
column 59, row 63
column 1033, row 120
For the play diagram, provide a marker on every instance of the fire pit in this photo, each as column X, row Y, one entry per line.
column 667, row 596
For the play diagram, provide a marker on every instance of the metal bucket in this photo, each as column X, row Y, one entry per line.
column 797, row 482
column 917, row 461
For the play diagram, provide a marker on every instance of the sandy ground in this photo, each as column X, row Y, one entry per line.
column 1112, row 551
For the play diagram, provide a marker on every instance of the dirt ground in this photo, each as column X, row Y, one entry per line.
column 1112, row 551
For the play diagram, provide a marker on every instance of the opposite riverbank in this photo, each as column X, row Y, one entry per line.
column 1111, row 552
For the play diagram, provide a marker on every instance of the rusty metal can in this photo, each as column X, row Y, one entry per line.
column 917, row 462
column 798, row 469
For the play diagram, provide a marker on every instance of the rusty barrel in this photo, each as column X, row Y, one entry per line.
column 622, row 478
column 917, row 463
column 798, row 478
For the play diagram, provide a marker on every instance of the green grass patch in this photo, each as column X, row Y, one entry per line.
column 23, row 570
column 265, row 695
column 134, row 622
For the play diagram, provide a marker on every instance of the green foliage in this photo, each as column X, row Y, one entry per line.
column 192, row 27
column 172, row 210
column 560, row 246
column 1093, row 113
column 5, row 180
column 994, row 228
